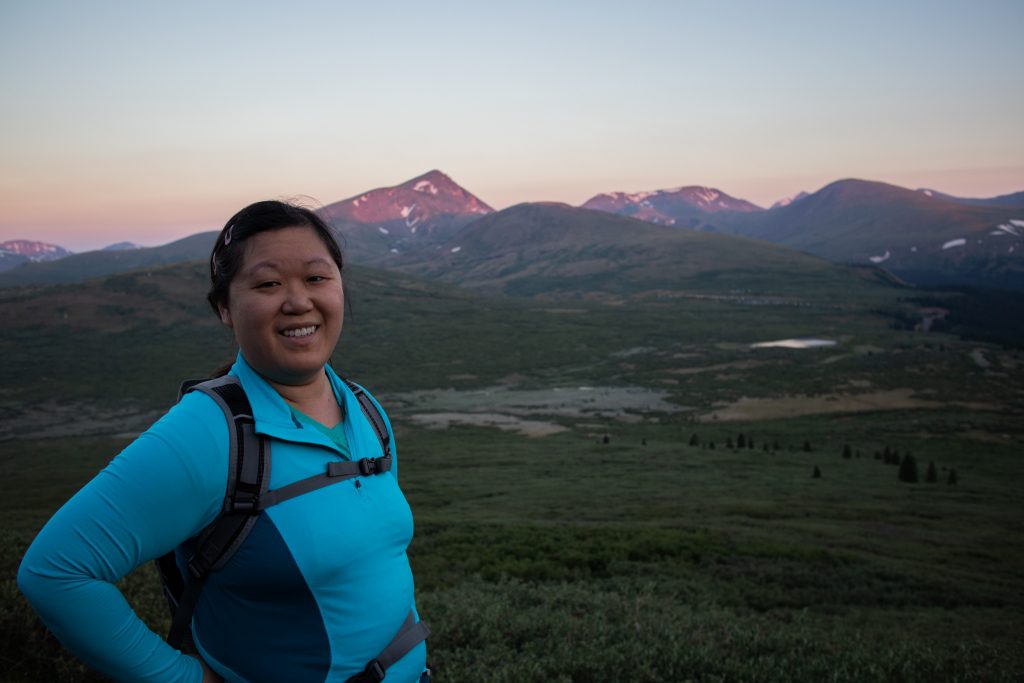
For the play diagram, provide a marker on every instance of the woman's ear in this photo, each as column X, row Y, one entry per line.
column 225, row 315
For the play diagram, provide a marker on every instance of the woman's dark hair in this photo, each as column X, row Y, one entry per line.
column 226, row 258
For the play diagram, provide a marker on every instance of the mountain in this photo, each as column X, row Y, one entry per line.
column 1015, row 199
column 420, row 212
column 786, row 201
column 121, row 246
column 921, row 238
column 558, row 250
column 692, row 207
column 14, row 253
column 103, row 262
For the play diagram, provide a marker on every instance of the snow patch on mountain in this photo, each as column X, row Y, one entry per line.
column 880, row 259
column 959, row 242
column 425, row 186
column 406, row 210
column 456, row 250
column 1018, row 222
column 383, row 230
column 786, row 201
column 122, row 246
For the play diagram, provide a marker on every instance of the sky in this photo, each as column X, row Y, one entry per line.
column 149, row 121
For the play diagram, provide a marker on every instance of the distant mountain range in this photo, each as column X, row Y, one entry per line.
column 432, row 226
column 921, row 238
column 555, row 250
column 1015, row 199
column 90, row 264
column 14, row 253
column 681, row 207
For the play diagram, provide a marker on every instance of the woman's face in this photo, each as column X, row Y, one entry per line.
column 286, row 305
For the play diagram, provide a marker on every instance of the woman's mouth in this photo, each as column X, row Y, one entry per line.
column 301, row 331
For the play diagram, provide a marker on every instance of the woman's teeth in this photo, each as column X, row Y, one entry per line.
column 300, row 332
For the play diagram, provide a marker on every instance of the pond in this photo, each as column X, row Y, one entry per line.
column 800, row 343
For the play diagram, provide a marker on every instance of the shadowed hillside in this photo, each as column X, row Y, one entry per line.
column 554, row 250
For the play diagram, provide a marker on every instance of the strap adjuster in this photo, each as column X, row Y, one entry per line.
column 374, row 671
column 247, row 507
column 368, row 466
column 196, row 568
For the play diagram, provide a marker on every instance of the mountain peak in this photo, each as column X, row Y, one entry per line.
column 16, row 252
column 410, row 215
column 688, row 205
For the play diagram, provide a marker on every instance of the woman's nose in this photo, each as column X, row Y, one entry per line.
column 297, row 300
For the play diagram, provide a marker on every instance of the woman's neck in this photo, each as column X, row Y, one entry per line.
column 315, row 399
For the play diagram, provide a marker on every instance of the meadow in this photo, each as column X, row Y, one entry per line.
column 634, row 545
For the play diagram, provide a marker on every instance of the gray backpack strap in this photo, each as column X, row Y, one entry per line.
column 248, row 479
column 373, row 415
column 411, row 634
column 337, row 471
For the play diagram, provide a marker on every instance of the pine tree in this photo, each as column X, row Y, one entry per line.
column 776, row 446
column 712, row 445
column 728, row 442
column 741, row 441
column 908, row 469
column 750, row 442
column 694, row 441
column 952, row 478
column 817, row 473
column 846, row 451
column 931, row 476
column 807, row 446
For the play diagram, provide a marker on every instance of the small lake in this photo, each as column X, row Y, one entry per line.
column 801, row 343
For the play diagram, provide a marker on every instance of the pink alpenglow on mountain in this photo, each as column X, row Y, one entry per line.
column 415, row 204
column 669, row 207
column 14, row 253
column 34, row 251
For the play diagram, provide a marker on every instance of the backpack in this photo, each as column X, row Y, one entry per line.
column 248, row 495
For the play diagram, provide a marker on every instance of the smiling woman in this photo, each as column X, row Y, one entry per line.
column 319, row 584
column 282, row 296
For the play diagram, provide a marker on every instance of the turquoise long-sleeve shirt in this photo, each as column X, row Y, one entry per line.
column 318, row 589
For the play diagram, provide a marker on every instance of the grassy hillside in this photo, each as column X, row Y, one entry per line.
column 667, row 553
column 557, row 251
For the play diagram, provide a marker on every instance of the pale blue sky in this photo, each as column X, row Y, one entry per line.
column 152, row 120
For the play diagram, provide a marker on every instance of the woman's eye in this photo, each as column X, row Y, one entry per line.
column 267, row 284
column 316, row 278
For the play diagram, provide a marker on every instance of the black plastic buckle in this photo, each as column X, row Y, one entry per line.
column 247, row 507
column 374, row 671
column 368, row 466
column 196, row 569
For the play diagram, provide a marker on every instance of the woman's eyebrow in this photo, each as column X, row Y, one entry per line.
column 263, row 265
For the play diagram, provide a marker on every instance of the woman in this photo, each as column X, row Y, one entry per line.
column 322, row 583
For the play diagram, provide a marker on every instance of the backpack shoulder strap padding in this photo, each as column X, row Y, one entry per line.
column 248, row 479
column 373, row 414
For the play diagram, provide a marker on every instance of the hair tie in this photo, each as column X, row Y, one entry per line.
column 227, row 236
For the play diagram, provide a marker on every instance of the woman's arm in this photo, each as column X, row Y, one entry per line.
column 162, row 489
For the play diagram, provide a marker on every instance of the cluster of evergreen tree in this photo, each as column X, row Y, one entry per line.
column 907, row 465
column 908, row 470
